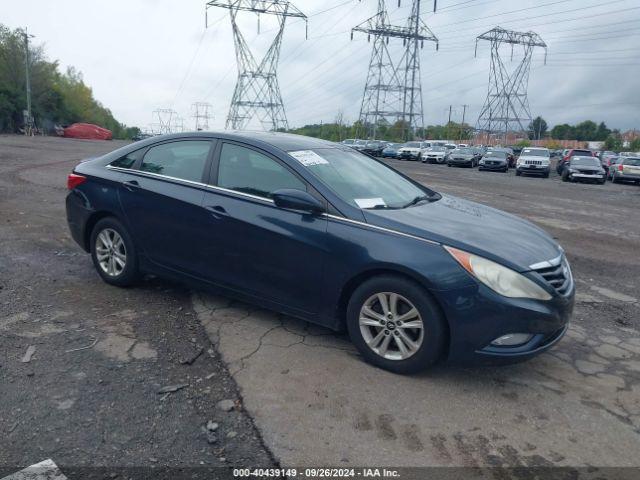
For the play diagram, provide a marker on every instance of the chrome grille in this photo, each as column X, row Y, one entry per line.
column 557, row 273
column 533, row 162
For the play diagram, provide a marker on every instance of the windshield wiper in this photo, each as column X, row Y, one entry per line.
column 417, row 200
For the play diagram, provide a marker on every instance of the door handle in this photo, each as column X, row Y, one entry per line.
column 217, row 211
column 131, row 185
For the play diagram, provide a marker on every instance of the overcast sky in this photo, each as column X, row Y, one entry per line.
column 140, row 55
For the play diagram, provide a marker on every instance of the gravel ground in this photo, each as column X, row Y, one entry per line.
column 89, row 396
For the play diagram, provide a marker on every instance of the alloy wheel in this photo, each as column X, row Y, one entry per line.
column 391, row 326
column 111, row 252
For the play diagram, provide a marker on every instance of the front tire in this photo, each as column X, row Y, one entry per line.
column 113, row 253
column 395, row 324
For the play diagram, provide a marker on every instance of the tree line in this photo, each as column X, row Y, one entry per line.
column 58, row 98
column 586, row 131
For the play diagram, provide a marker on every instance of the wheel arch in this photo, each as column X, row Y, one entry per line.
column 358, row 279
column 94, row 218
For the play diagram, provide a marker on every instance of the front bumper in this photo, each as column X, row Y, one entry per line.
column 497, row 167
column 539, row 169
column 409, row 155
column 477, row 316
column 586, row 176
column 459, row 161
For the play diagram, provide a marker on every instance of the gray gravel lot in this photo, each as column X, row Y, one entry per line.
column 310, row 396
column 98, row 406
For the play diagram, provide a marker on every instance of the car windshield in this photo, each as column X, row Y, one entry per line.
column 362, row 181
column 582, row 153
column 413, row 144
column 361, row 142
column 585, row 161
column 348, row 142
column 496, row 154
column 632, row 161
column 464, row 151
column 534, row 152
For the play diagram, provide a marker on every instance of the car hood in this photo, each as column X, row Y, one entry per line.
column 435, row 154
column 461, row 155
column 470, row 226
column 409, row 149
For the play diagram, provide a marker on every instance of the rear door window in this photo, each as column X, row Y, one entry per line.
column 184, row 159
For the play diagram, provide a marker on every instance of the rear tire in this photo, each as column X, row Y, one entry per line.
column 113, row 253
column 412, row 348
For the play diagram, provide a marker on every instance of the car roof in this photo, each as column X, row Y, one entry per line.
column 284, row 141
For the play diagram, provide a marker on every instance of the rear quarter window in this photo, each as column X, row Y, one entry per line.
column 128, row 160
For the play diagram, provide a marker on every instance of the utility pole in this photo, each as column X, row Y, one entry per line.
column 393, row 91
column 506, row 108
column 257, row 93
column 28, row 117
column 449, row 123
column 464, row 111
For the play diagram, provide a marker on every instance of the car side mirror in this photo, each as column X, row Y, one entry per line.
column 293, row 199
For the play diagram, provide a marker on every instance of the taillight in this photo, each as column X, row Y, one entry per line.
column 620, row 167
column 73, row 180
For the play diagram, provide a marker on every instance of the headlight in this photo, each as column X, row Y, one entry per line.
column 500, row 279
column 481, row 162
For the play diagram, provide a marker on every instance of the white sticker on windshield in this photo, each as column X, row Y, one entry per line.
column 369, row 202
column 308, row 158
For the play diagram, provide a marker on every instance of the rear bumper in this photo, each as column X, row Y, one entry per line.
column 77, row 216
column 627, row 176
column 477, row 316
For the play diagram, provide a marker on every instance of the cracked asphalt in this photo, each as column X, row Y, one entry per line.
column 304, row 396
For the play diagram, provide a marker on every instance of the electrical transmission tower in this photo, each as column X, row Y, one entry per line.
column 393, row 91
column 257, row 93
column 166, row 121
column 506, row 108
column 201, row 112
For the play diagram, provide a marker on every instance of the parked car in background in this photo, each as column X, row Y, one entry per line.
column 580, row 169
column 348, row 142
column 572, row 152
column 516, row 150
column 625, row 169
column 462, row 157
column 410, row 151
column 359, row 145
column 391, row 150
column 374, row 148
column 534, row 161
column 494, row 160
column 450, row 146
column 327, row 234
column 435, row 154
column 511, row 159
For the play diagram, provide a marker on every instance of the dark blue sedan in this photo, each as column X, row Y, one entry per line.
column 322, row 232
